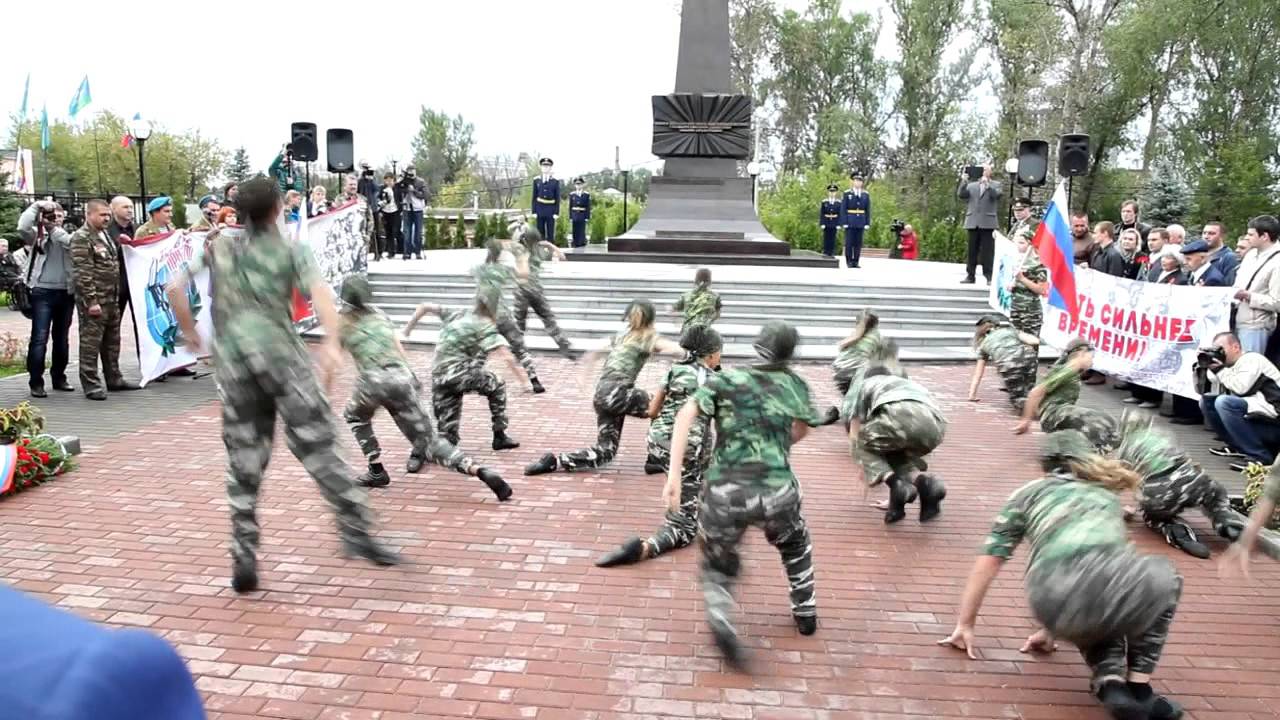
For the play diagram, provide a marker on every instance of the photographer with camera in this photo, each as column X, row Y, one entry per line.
column 1243, row 412
column 47, row 285
column 367, row 185
column 413, row 201
column 389, row 210
column 906, row 245
column 981, row 218
column 282, row 169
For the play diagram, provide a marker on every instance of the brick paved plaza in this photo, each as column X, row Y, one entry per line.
column 501, row 614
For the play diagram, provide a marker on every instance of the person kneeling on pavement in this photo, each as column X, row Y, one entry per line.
column 1243, row 411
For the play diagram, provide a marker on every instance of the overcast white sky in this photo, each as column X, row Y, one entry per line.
column 243, row 71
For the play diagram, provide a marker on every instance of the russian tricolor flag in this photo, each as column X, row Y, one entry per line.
column 1054, row 245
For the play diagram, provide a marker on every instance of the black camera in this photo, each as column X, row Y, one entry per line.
column 1208, row 357
column 897, row 227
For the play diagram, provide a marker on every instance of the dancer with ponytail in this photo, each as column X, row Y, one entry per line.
column 700, row 305
column 385, row 380
column 530, row 251
column 493, row 278
column 616, row 395
column 1013, row 352
column 684, row 378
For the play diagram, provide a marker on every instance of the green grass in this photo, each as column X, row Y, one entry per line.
column 10, row 369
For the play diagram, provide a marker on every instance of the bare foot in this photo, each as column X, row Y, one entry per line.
column 880, row 504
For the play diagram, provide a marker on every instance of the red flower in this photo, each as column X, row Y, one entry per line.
column 44, row 457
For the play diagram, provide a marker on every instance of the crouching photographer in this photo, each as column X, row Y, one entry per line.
column 1240, row 395
column 44, row 292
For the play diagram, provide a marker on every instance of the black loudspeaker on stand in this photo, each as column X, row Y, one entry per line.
column 303, row 138
column 339, row 150
column 1073, row 158
column 1033, row 162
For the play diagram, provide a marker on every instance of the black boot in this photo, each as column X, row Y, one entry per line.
column 1181, row 537
column 932, row 492
column 375, row 478
column 727, row 641
column 244, row 575
column 1119, row 701
column 1158, row 707
column 537, row 386
column 545, row 464
column 653, row 466
column 806, row 624
column 830, row 417
column 414, row 463
column 364, row 546
column 495, row 482
column 900, row 493
column 631, row 551
column 503, row 441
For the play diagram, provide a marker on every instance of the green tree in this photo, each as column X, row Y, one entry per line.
column 1017, row 32
column 239, row 169
column 460, row 231
column 430, row 233
column 1166, row 198
column 596, row 228
column 562, row 226
column 481, row 234
column 442, row 149
column 10, row 208
column 752, row 24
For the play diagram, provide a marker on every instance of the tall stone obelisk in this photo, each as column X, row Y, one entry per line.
column 702, row 67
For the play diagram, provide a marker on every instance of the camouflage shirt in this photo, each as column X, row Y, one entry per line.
column 1061, row 516
column 854, row 358
column 535, row 256
column 1002, row 346
column 626, row 357
column 95, row 268
column 682, row 381
column 371, row 340
column 466, row 339
column 700, row 306
column 1036, row 272
column 148, row 228
column 1150, row 453
column 1061, row 387
column 753, row 410
column 254, row 278
column 876, row 392
column 493, row 278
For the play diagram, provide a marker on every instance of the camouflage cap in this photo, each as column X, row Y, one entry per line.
column 701, row 340
column 777, row 341
column 992, row 319
column 356, row 291
column 647, row 312
column 1066, row 445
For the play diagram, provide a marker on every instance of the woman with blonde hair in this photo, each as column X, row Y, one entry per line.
column 318, row 203
column 616, row 395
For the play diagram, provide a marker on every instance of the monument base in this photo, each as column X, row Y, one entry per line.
column 797, row 258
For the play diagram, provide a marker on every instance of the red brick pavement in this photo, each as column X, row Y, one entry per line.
column 502, row 615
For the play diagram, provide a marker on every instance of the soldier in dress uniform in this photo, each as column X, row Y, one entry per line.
column 546, row 200
column 579, row 212
column 830, row 218
column 856, row 207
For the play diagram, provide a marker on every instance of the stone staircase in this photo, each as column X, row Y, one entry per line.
column 928, row 324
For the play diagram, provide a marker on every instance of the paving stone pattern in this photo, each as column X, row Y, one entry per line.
column 502, row 615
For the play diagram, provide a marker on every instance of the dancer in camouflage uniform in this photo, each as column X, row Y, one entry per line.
column 759, row 412
column 1236, row 559
column 616, row 394
column 385, row 380
column 682, row 381
column 1014, row 353
column 854, row 353
column 1032, row 281
column 262, row 368
column 493, row 277
column 466, row 340
column 1053, row 401
column 1085, row 581
column 894, row 424
column 530, row 250
column 1173, row 482
column 700, row 305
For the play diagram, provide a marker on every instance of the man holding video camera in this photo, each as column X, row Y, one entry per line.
column 981, row 218
column 413, row 194
column 283, row 171
column 47, row 275
column 1243, row 413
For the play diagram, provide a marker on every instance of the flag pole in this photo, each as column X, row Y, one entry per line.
column 97, row 154
column 44, row 151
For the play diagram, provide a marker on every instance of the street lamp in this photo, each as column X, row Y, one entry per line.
column 1011, row 167
column 141, row 130
column 753, row 169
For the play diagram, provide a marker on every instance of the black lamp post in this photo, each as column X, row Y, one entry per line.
column 141, row 131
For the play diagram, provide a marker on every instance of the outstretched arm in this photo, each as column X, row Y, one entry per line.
column 510, row 360
column 655, row 403
column 418, row 314
column 679, row 443
column 984, row 572
column 668, row 347
column 1031, row 410
column 553, row 249
column 978, row 370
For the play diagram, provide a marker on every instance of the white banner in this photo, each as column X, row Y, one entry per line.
column 1005, row 266
column 336, row 239
column 150, row 264
column 1146, row 333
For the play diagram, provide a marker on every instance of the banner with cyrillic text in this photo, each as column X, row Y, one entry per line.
column 336, row 239
column 150, row 264
column 1145, row 333
column 1006, row 263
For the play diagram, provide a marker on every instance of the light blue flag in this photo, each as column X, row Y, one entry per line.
column 44, row 129
column 82, row 98
column 26, row 92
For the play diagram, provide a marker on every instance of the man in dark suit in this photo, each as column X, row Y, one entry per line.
column 856, row 209
column 981, row 218
column 1200, row 271
column 546, row 201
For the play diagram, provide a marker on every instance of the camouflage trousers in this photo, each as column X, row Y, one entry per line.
column 1162, row 498
column 533, row 298
column 100, row 338
column 897, row 437
column 515, row 338
column 680, row 527
column 1019, row 376
column 727, row 510
column 396, row 389
column 1112, row 603
column 613, row 402
column 446, row 400
column 254, row 390
column 1097, row 425
column 1025, row 313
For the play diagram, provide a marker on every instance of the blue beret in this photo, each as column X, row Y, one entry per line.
column 205, row 200
column 1195, row 246
column 160, row 202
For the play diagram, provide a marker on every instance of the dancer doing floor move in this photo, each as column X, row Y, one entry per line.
column 700, row 306
column 759, row 412
column 466, row 341
column 263, row 369
column 531, row 250
column 684, row 378
column 493, row 277
column 386, row 381
column 1171, row 483
column 894, row 423
column 1236, row 559
column 616, row 395
column 1013, row 352
column 1086, row 583
column 1053, row 401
